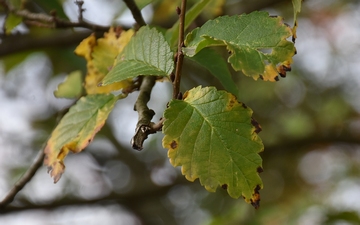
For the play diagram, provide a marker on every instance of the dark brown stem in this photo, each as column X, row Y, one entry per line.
column 135, row 11
column 20, row 184
column 179, row 55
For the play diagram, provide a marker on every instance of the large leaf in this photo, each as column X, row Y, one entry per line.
column 146, row 54
column 217, row 66
column 76, row 130
column 297, row 9
column 213, row 137
column 100, row 55
column 257, row 43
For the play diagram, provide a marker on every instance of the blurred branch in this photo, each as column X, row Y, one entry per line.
column 130, row 200
column 135, row 11
column 18, row 43
column 20, row 184
column 52, row 21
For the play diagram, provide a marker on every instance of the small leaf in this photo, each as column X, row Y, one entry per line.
column 257, row 43
column 217, row 66
column 100, row 55
column 146, row 54
column 71, row 87
column 214, row 138
column 11, row 22
column 297, row 9
column 76, row 130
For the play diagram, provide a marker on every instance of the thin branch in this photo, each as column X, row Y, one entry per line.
column 180, row 55
column 135, row 11
column 20, row 184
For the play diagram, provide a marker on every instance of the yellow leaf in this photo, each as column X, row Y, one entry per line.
column 100, row 56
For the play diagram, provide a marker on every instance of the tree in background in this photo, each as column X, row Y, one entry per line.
column 304, row 116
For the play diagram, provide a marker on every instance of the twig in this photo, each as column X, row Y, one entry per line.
column 135, row 11
column 143, row 126
column 179, row 55
column 20, row 184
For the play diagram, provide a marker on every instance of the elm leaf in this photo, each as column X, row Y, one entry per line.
column 147, row 53
column 214, row 138
column 76, row 130
column 257, row 43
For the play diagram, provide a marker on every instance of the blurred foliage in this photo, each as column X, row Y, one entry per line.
column 310, row 122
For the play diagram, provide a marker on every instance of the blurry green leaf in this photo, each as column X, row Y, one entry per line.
column 257, row 43
column 11, row 22
column 146, row 54
column 217, row 66
column 297, row 9
column 71, row 87
column 76, row 130
column 213, row 137
column 173, row 33
column 142, row 3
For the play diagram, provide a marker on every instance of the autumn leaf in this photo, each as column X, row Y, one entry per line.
column 76, row 130
column 100, row 55
column 257, row 43
column 214, row 138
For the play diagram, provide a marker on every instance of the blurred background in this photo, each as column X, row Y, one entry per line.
column 310, row 121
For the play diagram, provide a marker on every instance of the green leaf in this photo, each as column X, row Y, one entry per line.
column 217, row 66
column 146, row 54
column 173, row 33
column 71, row 87
column 142, row 3
column 297, row 9
column 257, row 43
column 213, row 137
column 11, row 22
column 76, row 130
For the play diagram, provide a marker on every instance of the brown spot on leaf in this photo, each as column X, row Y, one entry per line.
column 261, row 77
column 259, row 169
column 255, row 201
column 224, row 186
column 276, row 78
column 173, row 144
column 244, row 106
column 256, row 125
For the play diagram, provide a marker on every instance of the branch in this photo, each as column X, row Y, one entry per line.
column 20, row 184
column 180, row 55
column 145, row 115
column 135, row 11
